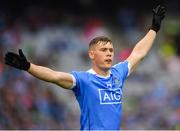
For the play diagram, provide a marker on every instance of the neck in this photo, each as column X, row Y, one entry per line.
column 101, row 72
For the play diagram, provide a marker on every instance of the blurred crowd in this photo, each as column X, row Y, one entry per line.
column 60, row 42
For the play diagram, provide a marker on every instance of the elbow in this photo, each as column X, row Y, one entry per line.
column 143, row 54
column 139, row 53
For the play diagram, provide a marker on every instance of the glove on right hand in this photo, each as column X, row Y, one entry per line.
column 17, row 61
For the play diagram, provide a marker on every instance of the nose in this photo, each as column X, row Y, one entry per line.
column 109, row 53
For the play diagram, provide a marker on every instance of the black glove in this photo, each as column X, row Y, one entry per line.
column 17, row 61
column 158, row 15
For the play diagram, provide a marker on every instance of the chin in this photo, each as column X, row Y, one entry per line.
column 107, row 67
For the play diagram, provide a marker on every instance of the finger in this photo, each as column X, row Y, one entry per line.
column 162, row 12
column 155, row 10
column 21, row 53
column 12, row 62
column 9, row 63
column 8, row 58
column 10, row 54
column 162, row 9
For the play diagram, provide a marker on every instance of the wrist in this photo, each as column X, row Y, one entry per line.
column 27, row 66
column 154, row 29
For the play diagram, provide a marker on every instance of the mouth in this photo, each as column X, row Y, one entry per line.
column 108, row 60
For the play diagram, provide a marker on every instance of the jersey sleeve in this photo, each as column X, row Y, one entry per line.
column 123, row 68
column 76, row 82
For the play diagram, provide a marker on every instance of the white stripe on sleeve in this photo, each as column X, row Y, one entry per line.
column 74, row 82
column 129, row 69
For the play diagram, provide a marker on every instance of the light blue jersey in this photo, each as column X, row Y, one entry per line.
column 100, row 98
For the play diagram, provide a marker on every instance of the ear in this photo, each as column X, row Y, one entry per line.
column 91, row 54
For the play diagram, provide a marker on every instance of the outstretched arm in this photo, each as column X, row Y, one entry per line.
column 65, row 80
column 60, row 78
column 144, row 45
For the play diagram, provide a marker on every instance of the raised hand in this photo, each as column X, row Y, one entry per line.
column 18, row 61
column 158, row 16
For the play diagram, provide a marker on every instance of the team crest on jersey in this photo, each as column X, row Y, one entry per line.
column 109, row 96
column 116, row 82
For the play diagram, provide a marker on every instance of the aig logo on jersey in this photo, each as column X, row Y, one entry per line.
column 108, row 96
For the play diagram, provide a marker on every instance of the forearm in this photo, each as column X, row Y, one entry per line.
column 62, row 79
column 145, row 44
column 42, row 73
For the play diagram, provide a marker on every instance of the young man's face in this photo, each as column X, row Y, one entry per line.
column 102, row 55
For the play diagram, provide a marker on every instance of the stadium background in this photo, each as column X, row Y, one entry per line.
column 56, row 34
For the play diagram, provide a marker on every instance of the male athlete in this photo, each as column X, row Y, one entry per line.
column 98, row 90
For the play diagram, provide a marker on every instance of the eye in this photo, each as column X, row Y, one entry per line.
column 111, row 50
column 103, row 49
